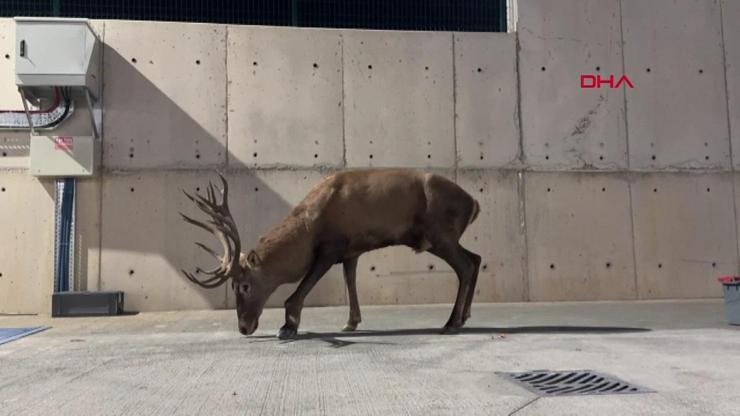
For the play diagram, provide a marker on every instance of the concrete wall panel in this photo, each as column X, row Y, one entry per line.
column 677, row 114
column 87, row 233
column 285, row 97
column 260, row 200
column 145, row 244
column 731, row 29
column 563, row 125
column 165, row 95
column 579, row 237
column 684, row 234
column 486, row 109
column 398, row 99
column 496, row 235
column 27, row 255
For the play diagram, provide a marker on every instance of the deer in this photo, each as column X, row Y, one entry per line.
column 347, row 214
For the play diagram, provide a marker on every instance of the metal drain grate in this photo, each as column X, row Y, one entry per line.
column 572, row 383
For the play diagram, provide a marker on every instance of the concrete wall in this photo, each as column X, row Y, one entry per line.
column 585, row 194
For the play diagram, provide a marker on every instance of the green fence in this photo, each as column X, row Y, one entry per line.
column 447, row 15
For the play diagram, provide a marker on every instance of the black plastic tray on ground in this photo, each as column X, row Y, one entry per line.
column 86, row 304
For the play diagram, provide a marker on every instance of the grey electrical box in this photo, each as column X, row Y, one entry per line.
column 56, row 52
column 64, row 155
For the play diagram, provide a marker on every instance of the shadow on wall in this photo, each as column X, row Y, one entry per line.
column 144, row 242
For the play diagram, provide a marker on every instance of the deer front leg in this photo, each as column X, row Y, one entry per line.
column 350, row 278
column 466, row 269
column 294, row 304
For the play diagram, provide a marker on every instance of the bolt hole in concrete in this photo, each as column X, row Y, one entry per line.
column 543, row 69
column 653, row 157
column 369, row 67
column 480, row 70
column 709, row 189
column 2, row 189
column 254, row 154
column 481, row 157
column 133, row 60
column 598, row 68
column 714, row 264
column 601, row 157
column 655, row 189
column 647, row 69
column 254, row 63
column 547, row 157
column 608, row 265
column 132, row 189
column 481, row 190
column 197, row 61
column 485, row 267
column 315, row 65
column 372, row 268
column 603, row 189
column 426, row 68
column 548, row 189
column 660, row 265
column 197, row 156
column 701, row 71
column 706, row 157
column 7, row 56
column 552, row 266
column 371, row 156
column 5, row 154
column 315, row 156
column 197, row 189
column 256, row 189
column 131, row 272
column 131, row 155
column 429, row 156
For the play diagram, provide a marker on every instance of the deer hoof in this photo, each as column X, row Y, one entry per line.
column 349, row 327
column 450, row 330
column 287, row 333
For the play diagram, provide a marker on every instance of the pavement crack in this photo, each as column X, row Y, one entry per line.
column 524, row 405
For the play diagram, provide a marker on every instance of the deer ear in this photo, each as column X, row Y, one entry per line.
column 253, row 260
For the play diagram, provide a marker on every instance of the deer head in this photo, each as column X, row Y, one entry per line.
column 234, row 265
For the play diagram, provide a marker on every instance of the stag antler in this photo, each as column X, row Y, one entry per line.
column 221, row 224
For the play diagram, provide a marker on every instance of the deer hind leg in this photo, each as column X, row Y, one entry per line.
column 471, row 291
column 294, row 305
column 350, row 278
column 465, row 268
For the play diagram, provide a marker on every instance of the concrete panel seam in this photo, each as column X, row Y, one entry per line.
column 344, row 103
column 624, row 93
column 724, row 72
column 226, row 119
column 102, row 149
column 729, row 129
column 520, row 152
column 632, row 231
column 454, row 110
column 523, row 235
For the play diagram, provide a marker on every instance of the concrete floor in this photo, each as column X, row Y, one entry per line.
column 197, row 363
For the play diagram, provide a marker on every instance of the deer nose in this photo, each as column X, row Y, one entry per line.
column 246, row 329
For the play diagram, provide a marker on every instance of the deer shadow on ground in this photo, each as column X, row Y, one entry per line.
column 338, row 339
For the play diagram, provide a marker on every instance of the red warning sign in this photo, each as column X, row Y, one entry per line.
column 63, row 143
